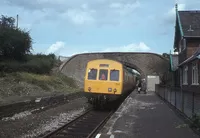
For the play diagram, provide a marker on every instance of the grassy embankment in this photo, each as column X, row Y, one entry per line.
column 33, row 78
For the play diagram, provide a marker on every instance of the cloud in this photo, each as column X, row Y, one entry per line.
column 141, row 47
column 170, row 15
column 79, row 12
column 55, row 48
column 79, row 17
column 124, row 8
column 167, row 19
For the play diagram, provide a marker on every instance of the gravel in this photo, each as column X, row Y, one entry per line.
column 29, row 124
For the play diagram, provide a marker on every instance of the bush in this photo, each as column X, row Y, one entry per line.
column 39, row 64
column 14, row 42
column 195, row 122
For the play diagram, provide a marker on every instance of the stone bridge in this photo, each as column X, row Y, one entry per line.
column 145, row 63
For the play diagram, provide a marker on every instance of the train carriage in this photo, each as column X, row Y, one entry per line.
column 107, row 80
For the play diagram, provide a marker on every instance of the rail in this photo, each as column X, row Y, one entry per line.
column 84, row 126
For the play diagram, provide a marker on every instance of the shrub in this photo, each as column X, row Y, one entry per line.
column 195, row 122
column 39, row 64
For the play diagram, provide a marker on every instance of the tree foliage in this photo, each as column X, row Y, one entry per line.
column 15, row 55
column 14, row 42
column 166, row 55
column 8, row 22
column 39, row 64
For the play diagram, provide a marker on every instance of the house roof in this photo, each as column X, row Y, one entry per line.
column 189, row 22
column 174, row 62
column 196, row 55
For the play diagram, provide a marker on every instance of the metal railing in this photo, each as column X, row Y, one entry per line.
column 187, row 102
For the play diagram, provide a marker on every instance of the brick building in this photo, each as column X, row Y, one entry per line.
column 187, row 44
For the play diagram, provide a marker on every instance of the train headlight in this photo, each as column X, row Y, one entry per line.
column 89, row 89
column 115, row 90
column 109, row 89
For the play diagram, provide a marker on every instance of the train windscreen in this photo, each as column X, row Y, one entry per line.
column 114, row 75
column 103, row 74
column 92, row 74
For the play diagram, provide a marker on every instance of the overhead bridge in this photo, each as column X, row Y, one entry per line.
column 144, row 63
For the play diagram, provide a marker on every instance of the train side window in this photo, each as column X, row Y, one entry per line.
column 114, row 75
column 92, row 74
column 103, row 74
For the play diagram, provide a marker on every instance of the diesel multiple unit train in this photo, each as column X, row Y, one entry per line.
column 106, row 81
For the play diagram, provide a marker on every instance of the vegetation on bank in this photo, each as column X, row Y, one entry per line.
column 23, row 73
column 29, row 84
column 195, row 122
column 39, row 64
column 15, row 50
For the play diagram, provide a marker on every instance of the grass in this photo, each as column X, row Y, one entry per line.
column 55, row 83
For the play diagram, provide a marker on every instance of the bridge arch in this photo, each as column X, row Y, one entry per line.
column 145, row 63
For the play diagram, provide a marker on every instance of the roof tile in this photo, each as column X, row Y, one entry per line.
column 190, row 21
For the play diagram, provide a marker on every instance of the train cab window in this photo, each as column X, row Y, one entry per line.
column 92, row 74
column 103, row 74
column 114, row 75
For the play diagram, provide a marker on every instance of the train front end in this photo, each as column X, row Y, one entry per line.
column 103, row 81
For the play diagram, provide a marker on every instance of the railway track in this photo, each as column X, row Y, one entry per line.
column 84, row 126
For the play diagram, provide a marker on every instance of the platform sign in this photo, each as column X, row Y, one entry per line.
column 152, row 80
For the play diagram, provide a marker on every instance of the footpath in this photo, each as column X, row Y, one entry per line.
column 145, row 116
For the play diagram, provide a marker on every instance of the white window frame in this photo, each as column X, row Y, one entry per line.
column 185, row 75
column 195, row 74
column 184, row 43
column 180, row 47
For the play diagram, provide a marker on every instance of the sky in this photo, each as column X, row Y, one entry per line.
column 68, row 27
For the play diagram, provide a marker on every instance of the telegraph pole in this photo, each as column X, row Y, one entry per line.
column 17, row 20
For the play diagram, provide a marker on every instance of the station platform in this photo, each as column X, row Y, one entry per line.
column 145, row 116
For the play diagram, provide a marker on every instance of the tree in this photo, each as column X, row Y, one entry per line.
column 166, row 55
column 14, row 42
column 7, row 22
